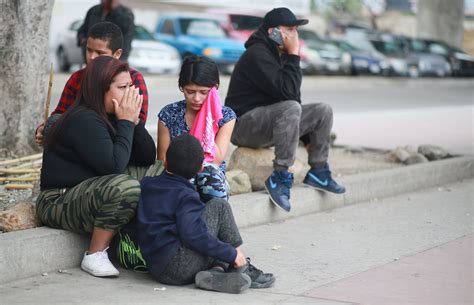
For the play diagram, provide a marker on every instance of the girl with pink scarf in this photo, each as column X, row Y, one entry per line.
column 202, row 115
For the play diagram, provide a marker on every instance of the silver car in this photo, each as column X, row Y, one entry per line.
column 428, row 64
column 148, row 55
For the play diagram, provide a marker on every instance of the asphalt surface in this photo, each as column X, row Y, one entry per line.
column 368, row 111
column 415, row 248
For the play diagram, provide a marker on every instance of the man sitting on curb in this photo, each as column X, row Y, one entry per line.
column 104, row 38
column 264, row 92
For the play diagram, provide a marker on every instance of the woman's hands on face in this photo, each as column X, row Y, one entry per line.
column 130, row 105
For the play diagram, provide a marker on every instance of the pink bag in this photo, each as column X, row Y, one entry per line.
column 205, row 126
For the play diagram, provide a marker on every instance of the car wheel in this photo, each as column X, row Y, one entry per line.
column 346, row 71
column 63, row 61
column 353, row 71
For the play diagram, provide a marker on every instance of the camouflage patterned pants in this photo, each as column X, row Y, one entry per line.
column 106, row 202
column 281, row 125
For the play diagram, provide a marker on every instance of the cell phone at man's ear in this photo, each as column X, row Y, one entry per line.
column 275, row 35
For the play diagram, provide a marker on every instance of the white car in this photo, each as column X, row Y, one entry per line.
column 147, row 56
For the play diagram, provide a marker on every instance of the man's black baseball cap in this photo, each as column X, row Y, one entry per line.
column 282, row 16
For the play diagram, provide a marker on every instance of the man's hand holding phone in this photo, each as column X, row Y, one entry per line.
column 291, row 41
column 286, row 38
column 276, row 36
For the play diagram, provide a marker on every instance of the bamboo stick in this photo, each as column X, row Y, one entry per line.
column 18, row 171
column 48, row 99
column 5, row 179
column 27, row 165
column 18, row 186
column 18, row 160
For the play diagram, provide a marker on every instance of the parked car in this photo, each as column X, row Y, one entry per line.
column 239, row 24
column 362, row 62
column 321, row 56
column 67, row 51
column 462, row 64
column 393, row 61
column 429, row 64
column 397, row 61
column 201, row 36
column 148, row 55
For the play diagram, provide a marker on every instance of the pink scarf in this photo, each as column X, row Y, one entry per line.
column 205, row 126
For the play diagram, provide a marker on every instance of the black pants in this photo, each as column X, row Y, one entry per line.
column 186, row 263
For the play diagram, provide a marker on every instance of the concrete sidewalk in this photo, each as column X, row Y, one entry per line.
column 30, row 252
column 369, row 253
column 438, row 276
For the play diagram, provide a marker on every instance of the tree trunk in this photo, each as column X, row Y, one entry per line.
column 24, row 31
column 442, row 20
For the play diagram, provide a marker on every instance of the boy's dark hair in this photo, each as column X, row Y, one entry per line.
column 109, row 32
column 184, row 156
column 198, row 70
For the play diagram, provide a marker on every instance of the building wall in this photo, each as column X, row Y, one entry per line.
column 398, row 23
column 299, row 7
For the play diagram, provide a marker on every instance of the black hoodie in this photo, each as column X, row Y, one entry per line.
column 262, row 77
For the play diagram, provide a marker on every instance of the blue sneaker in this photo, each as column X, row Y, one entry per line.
column 320, row 178
column 278, row 185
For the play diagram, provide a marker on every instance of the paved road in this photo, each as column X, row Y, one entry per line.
column 411, row 249
column 368, row 111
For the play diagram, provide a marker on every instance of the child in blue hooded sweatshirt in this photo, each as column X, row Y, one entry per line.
column 184, row 240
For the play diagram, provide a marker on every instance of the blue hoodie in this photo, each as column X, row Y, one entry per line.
column 169, row 215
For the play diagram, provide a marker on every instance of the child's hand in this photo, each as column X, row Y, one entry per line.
column 240, row 260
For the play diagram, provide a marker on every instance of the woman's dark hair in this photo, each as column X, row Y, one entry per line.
column 98, row 76
column 198, row 70
column 184, row 156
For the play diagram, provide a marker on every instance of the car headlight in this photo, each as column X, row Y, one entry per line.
column 212, row 52
column 346, row 58
column 423, row 65
column 398, row 65
column 384, row 64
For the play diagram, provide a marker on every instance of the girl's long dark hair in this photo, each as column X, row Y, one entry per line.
column 198, row 70
column 98, row 76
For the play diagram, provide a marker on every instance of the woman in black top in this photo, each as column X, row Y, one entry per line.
column 88, row 152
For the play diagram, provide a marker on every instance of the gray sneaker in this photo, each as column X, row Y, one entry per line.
column 258, row 277
column 221, row 281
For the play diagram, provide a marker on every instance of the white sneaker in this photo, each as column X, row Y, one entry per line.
column 98, row 264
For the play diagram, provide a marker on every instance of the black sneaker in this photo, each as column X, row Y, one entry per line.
column 258, row 277
column 217, row 280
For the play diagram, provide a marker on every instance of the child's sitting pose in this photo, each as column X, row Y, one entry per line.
column 185, row 241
